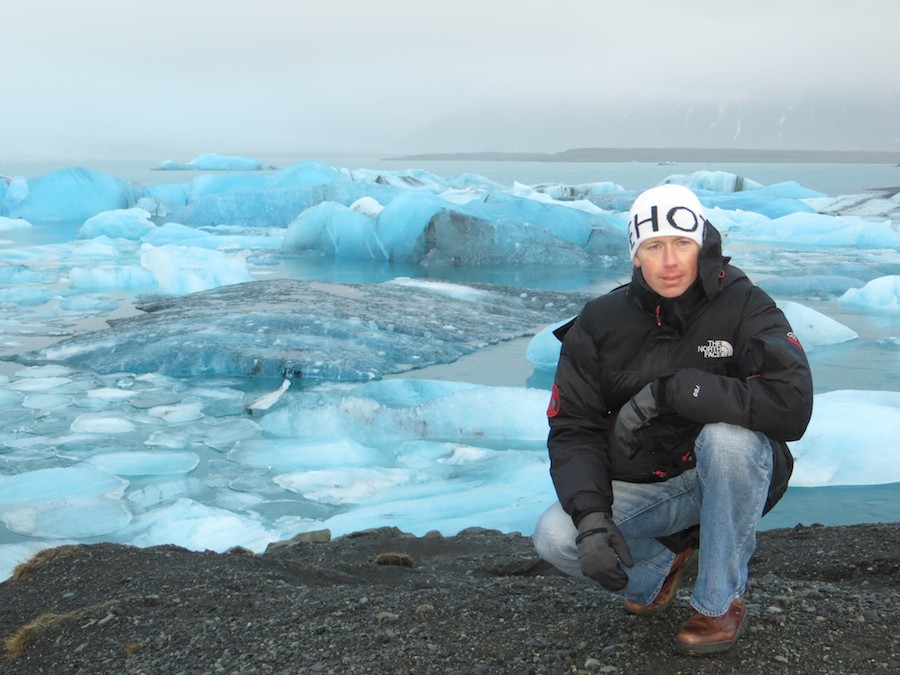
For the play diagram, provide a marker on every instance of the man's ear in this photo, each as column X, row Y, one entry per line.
column 637, row 263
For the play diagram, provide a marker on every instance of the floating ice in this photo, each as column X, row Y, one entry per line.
column 175, row 414
column 70, row 194
column 23, row 296
column 813, row 328
column 424, row 229
column 38, row 383
column 101, row 423
column 187, row 269
column 388, row 411
column 131, row 223
column 47, row 402
column 881, row 295
column 543, row 349
column 10, row 224
column 336, row 230
column 849, row 419
column 199, row 527
column 312, row 330
column 343, row 486
column 211, row 161
column 131, row 278
column 284, row 455
column 63, row 502
column 146, row 463
column 816, row 229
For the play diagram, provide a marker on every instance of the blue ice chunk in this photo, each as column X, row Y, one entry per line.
column 501, row 415
column 22, row 274
column 879, row 295
column 12, row 224
column 771, row 207
column 222, row 238
column 401, row 223
column 304, row 174
column 146, row 463
column 289, row 455
column 570, row 225
column 335, row 230
column 24, row 296
column 407, row 393
column 317, row 331
column 425, row 229
column 815, row 329
column 821, row 456
column 71, row 194
column 714, row 181
column 129, row 278
column 173, row 195
column 198, row 527
column 543, row 349
column 76, row 501
column 212, row 161
column 131, row 223
column 272, row 207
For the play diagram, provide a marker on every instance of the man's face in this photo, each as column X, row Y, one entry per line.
column 669, row 264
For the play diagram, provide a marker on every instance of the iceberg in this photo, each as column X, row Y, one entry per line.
column 881, row 295
column 69, row 194
column 311, row 330
column 212, row 161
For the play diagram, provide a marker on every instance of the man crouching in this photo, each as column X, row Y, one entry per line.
column 673, row 398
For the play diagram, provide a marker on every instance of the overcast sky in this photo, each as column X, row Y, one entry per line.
column 406, row 76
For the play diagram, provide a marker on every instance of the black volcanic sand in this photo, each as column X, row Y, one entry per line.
column 821, row 600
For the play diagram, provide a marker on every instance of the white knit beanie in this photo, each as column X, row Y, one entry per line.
column 665, row 211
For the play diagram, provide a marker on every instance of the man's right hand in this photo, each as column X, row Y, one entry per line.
column 600, row 548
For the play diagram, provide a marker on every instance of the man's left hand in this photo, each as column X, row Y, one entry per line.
column 637, row 413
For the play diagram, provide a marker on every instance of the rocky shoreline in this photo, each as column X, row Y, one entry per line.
column 821, row 600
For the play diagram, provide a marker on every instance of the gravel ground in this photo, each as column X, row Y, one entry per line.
column 821, row 600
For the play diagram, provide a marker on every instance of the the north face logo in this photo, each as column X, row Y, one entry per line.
column 716, row 349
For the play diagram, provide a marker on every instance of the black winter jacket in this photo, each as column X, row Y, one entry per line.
column 720, row 352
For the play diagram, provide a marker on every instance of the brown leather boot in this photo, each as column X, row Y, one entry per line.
column 667, row 593
column 710, row 634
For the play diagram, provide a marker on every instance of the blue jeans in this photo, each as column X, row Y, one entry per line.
column 724, row 494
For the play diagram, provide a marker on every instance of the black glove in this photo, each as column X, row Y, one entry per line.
column 636, row 414
column 599, row 543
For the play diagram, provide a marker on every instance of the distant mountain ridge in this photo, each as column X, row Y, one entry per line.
column 659, row 155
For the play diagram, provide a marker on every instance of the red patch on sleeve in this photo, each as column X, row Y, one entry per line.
column 793, row 340
column 553, row 408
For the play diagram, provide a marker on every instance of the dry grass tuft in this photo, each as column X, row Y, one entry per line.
column 15, row 645
column 38, row 560
column 398, row 559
